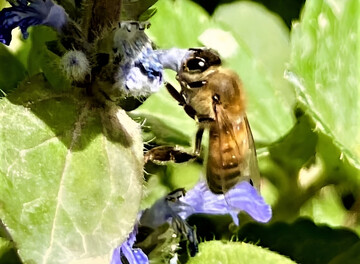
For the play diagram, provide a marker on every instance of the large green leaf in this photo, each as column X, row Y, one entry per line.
column 325, row 68
column 236, row 253
column 11, row 71
column 325, row 207
column 70, row 173
column 178, row 24
column 7, row 252
column 302, row 241
column 349, row 256
column 2, row 3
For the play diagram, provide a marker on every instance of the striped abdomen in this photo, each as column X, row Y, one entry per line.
column 228, row 153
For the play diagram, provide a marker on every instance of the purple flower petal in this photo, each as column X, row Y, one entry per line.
column 24, row 15
column 126, row 250
column 172, row 58
column 242, row 197
column 163, row 211
column 140, row 71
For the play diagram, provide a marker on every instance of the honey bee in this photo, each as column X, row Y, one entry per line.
column 214, row 97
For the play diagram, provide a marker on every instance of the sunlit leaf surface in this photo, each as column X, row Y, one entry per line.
column 325, row 70
column 236, row 252
column 70, row 173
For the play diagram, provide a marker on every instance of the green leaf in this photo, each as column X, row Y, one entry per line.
column 302, row 241
column 153, row 190
column 70, row 173
column 296, row 149
column 285, row 165
column 42, row 60
column 147, row 14
column 8, row 252
column 166, row 120
column 350, row 256
column 11, row 71
column 325, row 69
column 255, row 43
column 2, row 4
column 325, row 207
column 132, row 10
column 184, row 175
column 335, row 167
column 5, row 246
column 236, row 252
column 39, row 35
column 177, row 24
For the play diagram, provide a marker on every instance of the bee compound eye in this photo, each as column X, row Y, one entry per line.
column 197, row 84
column 197, row 64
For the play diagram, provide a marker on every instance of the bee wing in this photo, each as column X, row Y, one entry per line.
column 253, row 162
column 236, row 151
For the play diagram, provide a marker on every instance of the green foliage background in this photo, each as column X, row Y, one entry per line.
column 302, row 85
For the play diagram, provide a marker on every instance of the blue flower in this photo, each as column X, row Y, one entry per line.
column 172, row 58
column 126, row 251
column 177, row 207
column 242, row 197
column 24, row 14
column 140, row 71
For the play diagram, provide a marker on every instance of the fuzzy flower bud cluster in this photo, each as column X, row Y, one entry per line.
column 128, row 66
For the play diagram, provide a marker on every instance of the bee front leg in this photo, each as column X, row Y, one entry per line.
column 189, row 110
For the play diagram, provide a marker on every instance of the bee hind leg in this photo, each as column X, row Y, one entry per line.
column 164, row 154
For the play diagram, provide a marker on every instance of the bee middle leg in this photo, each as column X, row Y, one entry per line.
column 164, row 154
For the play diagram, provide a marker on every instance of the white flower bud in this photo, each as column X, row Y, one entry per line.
column 75, row 65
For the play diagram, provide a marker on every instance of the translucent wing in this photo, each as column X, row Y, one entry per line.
column 253, row 166
column 232, row 154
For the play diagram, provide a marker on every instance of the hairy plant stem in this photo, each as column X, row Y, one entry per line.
column 99, row 16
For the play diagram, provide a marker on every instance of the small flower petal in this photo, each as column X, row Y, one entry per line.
column 126, row 250
column 38, row 12
column 172, row 58
column 140, row 71
column 202, row 200
column 164, row 211
column 156, row 215
column 242, row 197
